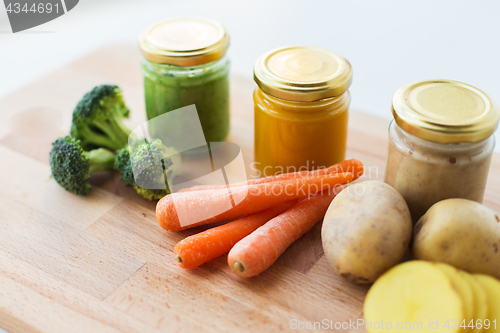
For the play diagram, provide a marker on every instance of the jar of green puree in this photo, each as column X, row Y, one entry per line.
column 185, row 63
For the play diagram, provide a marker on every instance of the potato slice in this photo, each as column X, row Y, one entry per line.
column 413, row 293
column 480, row 300
column 464, row 289
column 492, row 287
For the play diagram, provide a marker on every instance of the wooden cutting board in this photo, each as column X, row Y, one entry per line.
column 101, row 263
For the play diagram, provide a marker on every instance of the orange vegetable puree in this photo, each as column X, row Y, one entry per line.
column 294, row 136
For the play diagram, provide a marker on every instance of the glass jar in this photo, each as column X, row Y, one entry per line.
column 301, row 109
column 440, row 143
column 184, row 64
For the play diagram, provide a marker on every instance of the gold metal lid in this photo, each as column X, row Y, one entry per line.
column 303, row 73
column 184, row 42
column 445, row 111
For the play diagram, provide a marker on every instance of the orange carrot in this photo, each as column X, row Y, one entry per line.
column 197, row 249
column 259, row 250
column 353, row 166
column 179, row 211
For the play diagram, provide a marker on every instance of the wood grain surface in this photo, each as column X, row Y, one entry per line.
column 101, row 263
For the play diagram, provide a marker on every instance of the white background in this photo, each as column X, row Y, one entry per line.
column 389, row 43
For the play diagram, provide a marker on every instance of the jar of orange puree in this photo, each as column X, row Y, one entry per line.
column 301, row 109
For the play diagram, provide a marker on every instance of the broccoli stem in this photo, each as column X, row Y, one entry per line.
column 91, row 138
column 100, row 159
column 119, row 119
column 116, row 130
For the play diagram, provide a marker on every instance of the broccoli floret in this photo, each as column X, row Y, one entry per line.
column 122, row 163
column 146, row 167
column 149, row 165
column 71, row 166
column 98, row 119
column 150, row 194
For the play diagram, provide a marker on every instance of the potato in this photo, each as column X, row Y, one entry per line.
column 366, row 231
column 481, row 307
column 462, row 233
column 462, row 285
column 492, row 288
column 414, row 294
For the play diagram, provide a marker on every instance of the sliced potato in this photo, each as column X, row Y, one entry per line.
column 480, row 300
column 492, row 287
column 464, row 289
column 413, row 292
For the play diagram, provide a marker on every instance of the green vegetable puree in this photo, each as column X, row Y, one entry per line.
column 169, row 87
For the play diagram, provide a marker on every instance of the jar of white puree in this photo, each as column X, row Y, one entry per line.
column 440, row 143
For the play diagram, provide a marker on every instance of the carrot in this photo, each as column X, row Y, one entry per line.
column 258, row 251
column 353, row 166
column 197, row 249
column 179, row 211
